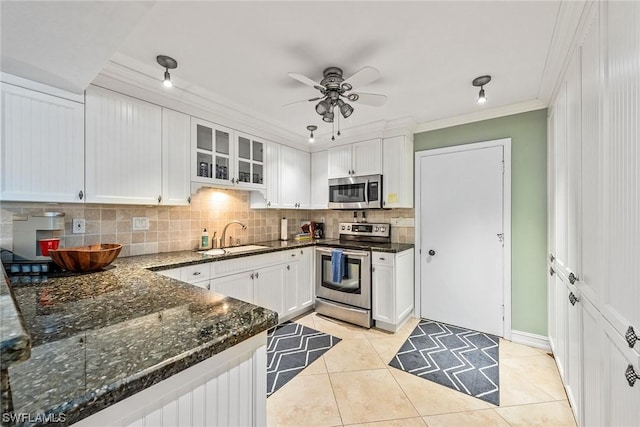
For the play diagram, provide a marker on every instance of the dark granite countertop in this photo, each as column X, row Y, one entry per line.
column 97, row 338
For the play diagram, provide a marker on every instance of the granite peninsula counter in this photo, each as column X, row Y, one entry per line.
column 100, row 339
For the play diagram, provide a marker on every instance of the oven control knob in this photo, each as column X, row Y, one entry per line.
column 383, row 229
column 343, row 227
column 348, row 227
column 377, row 229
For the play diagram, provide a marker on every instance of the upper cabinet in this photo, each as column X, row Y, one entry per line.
column 123, row 149
column 295, row 171
column 319, row 180
column 397, row 172
column 42, row 147
column 360, row 158
column 176, row 147
column 223, row 157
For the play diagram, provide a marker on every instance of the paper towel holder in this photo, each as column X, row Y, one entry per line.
column 284, row 234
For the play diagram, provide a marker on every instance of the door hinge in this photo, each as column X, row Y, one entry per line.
column 502, row 311
column 503, row 166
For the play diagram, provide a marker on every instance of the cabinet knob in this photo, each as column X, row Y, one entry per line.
column 573, row 299
column 288, row 267
column 233, row 180
column 159, row 199
column 293, row 255
column 631, row 375
column 196, row 273
column 573, row 278
column 269, row 203
column 257, row 274
column 432, row 252
column 551, row 271
column 381, row 259
column 301, row 252
column 551, row 258
column 251, row 276
column 80, row 194
column 384, row 203
column 631, row 337
column 373, row 269
column 208, row 286
column 189, row 199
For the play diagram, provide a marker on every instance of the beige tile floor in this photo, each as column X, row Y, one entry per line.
column 352, row 385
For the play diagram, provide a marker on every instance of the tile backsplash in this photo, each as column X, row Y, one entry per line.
column 180, row 227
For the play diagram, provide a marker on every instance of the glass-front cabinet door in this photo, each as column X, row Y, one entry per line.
column 213, row 156
column 250, row 161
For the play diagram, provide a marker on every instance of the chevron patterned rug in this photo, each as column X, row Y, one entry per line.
column 458, row 358
column 291, row 347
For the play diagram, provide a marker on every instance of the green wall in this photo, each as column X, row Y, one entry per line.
column 528, row 133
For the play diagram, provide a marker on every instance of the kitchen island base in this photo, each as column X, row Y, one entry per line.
column 228, row 389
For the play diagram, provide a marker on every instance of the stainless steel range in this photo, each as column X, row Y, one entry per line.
column 343, row 272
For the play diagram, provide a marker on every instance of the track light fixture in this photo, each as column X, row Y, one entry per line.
column 481, row 81
column 311, row 128
column 168, row 63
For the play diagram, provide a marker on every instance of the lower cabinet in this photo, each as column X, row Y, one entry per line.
column 392, row 288
column 280, row 281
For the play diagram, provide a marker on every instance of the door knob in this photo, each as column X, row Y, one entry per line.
column 432, row 252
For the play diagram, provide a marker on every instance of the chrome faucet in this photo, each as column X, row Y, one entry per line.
column 224, row 232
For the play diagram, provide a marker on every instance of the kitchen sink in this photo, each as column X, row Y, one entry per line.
column 236, row 249
column 233, row 250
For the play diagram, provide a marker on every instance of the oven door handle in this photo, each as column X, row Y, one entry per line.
column 347, row 253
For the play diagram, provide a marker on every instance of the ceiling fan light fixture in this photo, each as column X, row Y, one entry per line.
column 346, row 110
column 168, row 63
column 481, row 82
column 328, row 117
column 353, row 97
column 322, row 107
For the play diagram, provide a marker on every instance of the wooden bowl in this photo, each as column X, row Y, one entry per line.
column 86, row 258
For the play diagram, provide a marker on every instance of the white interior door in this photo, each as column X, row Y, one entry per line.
column 461, row 237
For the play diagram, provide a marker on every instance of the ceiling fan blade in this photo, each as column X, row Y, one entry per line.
column 306, row 80
column 363, row 77
column 302, row 100
column 373, row 99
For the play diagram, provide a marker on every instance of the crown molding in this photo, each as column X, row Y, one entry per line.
column 142, row 82
column 568, row 23
column 477, row 116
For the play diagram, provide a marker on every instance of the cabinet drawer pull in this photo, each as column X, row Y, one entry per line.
column 196, row 273
column 208, row 286
column 573, row 278
column 551, row 258
column 80, row 194
column 159, row 199
column 381, row 259
column 573, row 299
column 293, row 254
column 631, row 375
column 631, row 337
column 551, row 271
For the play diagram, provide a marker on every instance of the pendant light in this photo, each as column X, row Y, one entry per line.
column 481, row 81
column 311, row 128
column 168, row 63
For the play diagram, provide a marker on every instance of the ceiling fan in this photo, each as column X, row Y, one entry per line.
column 335, row 89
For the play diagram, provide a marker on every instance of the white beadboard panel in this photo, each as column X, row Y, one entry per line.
column 621, row 180
column 176, row 157
column 592, row 367
column 228, row 389
column 42, row 149
column 367, row 157
column 561, row 177
column 123, row 149
column 339, row 161
column 592, row 271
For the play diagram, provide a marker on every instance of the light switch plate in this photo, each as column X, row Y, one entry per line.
column 140, row 223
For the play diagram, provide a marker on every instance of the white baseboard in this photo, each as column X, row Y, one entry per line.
column 532, row 340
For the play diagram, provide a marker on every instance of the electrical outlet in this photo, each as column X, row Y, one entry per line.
column 78, row 225
column 140, row 223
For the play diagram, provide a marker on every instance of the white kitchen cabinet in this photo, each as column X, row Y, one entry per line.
column 295, row 169
column 269, row 287
column 320, row 179
column 212, row 153
column 250, row 161
column 42, row 152
column 123, row 149
column 392, row 288
column 357, row 159
column 397, row 172
column 269, row 197
column 176, row 150
column 298, row 288
column 595, row 210
column 239, row 286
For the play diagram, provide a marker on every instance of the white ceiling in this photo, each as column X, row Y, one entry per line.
column 239, row 53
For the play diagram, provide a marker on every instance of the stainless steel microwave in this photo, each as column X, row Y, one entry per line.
column 356, row 192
